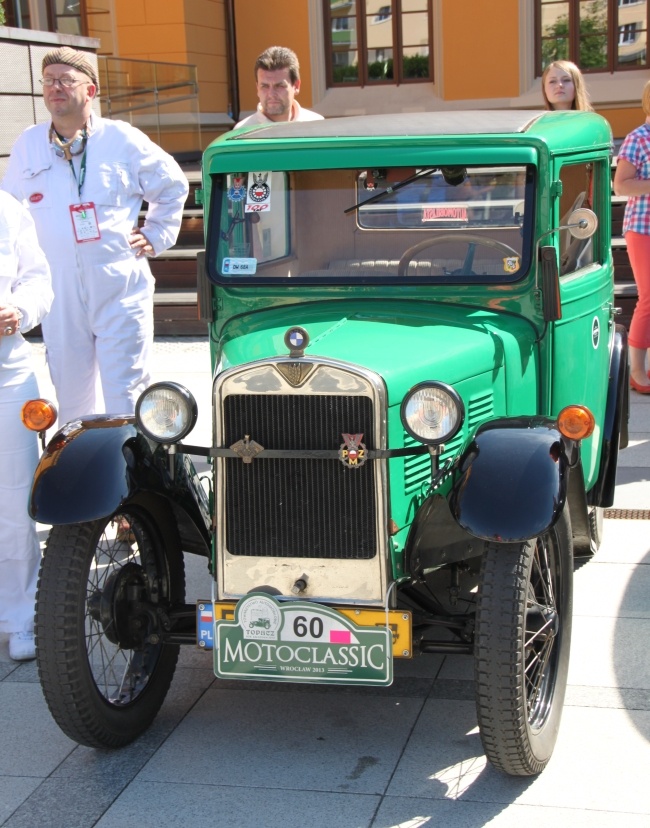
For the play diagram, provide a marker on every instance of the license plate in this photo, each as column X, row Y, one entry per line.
column 262, row 638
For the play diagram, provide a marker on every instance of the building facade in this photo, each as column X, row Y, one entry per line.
column 370, row 56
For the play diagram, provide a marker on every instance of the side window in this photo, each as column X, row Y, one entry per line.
column 578, row 184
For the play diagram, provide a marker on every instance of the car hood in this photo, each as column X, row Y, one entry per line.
column 404, row 342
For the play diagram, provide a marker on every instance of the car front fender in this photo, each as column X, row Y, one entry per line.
column 92, row 467
column 512, row 479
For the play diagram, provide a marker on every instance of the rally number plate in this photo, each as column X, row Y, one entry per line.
column 262, row 638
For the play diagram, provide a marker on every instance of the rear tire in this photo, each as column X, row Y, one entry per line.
column 523, row 637
column 102, row 666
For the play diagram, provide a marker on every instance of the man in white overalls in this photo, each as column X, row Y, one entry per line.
column 84, row 179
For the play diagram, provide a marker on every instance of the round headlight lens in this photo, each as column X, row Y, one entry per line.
column 432, row 413
column 166, row 412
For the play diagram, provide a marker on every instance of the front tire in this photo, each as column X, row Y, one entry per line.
column 523, row 637
column 102, row 665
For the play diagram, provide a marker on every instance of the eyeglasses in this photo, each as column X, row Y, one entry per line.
column 66, row 81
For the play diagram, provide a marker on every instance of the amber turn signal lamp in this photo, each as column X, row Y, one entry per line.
column 576, row 422
column 38, row 415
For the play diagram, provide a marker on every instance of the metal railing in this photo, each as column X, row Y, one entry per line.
column 161, row 99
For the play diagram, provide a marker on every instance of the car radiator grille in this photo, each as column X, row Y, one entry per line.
column 299, row 507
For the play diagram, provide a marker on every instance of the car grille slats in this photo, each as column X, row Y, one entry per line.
column 295, row 507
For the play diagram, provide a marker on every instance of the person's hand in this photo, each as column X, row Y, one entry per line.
column 140, row 243
column 10, row 318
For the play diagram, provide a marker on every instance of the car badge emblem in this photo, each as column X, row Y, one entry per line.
column 595, row 332
column 295, row 373
column 352, row 452
column 260, row 190
column 296, row 340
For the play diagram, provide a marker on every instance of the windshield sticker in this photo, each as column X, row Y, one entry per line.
column 239, row 266
column 511, row 264
column 458, row 213
column 259, row 193
column 237, row 187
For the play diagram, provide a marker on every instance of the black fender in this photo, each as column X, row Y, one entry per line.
column 93, row 467
column 615, row 425
column 511, row 480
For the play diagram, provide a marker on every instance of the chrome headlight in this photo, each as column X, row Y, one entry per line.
column 166, row 412
column 432, row 413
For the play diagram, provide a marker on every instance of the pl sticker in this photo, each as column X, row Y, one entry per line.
column 237, row 188
column 259, row 193
column 236, row 266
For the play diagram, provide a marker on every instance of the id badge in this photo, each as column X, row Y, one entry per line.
column 84, row 222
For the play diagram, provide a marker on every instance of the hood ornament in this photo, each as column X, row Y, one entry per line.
column 296, row 339
column 247, row 449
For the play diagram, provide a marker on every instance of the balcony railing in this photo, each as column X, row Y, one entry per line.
column 161, row 99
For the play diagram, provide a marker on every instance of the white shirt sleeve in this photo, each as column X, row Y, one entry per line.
column 31, row 290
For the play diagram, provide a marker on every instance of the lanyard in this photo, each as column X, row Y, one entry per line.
column 82, row 172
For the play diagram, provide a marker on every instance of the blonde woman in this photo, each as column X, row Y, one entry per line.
column 563, row 87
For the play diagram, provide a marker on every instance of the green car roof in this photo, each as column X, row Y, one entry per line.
column 517, row 132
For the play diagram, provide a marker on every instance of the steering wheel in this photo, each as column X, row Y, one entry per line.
column 469, row 238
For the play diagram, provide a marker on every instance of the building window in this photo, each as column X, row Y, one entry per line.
column 373, row 42
column 627, row 34
column 67, row 16
column 17, row 14
column 597, row 35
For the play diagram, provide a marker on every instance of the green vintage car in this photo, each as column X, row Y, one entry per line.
column 419, row 395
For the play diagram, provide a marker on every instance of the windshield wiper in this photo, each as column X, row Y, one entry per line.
column 390, row 190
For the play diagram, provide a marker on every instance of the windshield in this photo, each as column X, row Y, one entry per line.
column 382, row 225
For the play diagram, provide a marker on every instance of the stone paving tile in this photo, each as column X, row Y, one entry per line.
column 608, row 749
column 24, row 671
column 66, row 803
column 169, row 805
column 625, row 698
column 610, row 652
column 31, row 744
column 407, row 812
column 622, row 590
column 351, row 744
column 122, row 765
column 13, row 791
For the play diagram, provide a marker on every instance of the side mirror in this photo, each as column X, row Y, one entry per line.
column 582, row 223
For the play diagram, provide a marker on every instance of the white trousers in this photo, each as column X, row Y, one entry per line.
column 99, row 336
column 20, row 554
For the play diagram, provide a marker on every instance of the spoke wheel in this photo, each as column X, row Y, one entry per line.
column 104, row 587
column 523, row 633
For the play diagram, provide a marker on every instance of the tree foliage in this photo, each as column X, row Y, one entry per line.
column 592, row 38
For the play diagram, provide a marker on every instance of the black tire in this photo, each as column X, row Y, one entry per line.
column 103, row 669
column 523, row 639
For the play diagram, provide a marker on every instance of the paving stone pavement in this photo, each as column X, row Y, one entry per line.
column 254, row 755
